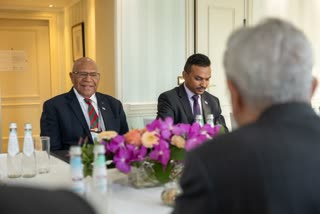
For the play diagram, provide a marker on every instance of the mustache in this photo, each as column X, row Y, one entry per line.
column 201, row 88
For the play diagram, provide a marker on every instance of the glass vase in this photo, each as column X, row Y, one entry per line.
column 142, row 176
column 176, row 170
column 170, row 193
column 172, row 188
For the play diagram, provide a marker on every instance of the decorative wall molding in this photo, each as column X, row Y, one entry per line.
column 139, row 114
column 20, row 104
column 5, row 98
column 140, row 109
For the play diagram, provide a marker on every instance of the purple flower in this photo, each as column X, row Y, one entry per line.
column 210, row 131
column 116, row 143
column 161, row 153
column 122, row 160
column 195, row 141
column 138, row 153
column 194, row 130
column 167, row 124
column 181, row 129
column 154, row 125
column 163, row 127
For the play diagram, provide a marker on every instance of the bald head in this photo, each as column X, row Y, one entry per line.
column 82, row 62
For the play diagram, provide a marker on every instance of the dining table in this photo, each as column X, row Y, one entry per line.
column 122, row 198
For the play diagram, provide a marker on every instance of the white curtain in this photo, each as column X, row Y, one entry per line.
column 153, row 47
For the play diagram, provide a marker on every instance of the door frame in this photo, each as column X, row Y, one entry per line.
column 55, row 75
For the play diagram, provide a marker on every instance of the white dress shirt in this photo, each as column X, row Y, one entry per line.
column 190, row 94
column 84, row 107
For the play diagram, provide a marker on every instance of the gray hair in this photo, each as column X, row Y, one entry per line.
column 270, row 63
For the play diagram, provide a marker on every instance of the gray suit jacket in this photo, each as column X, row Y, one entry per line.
column 268, row 167
column 175, row 104
column 16, row 200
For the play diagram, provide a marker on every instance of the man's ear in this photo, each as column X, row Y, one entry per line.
column 71, row 77
column 236, row 100
column 184, row 74
column 314, row 85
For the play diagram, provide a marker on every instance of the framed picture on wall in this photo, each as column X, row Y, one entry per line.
column 78, row 46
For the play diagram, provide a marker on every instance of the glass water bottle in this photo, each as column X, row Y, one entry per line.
column 29, row 167
column 13, row 157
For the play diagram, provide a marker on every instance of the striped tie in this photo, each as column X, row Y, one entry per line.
column 92, row 114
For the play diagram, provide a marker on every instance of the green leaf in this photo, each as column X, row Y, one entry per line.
column 87, row 158
column 136, row 164
column 177, row 153
column 222, row 130
column 162, row 175
column 87, row 169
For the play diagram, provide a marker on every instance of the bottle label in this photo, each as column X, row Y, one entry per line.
column 28, row 146
column 76, row 174
column 210, row 122
column 76, row 166
column 13, row 147
column 199, row 122
column 100, row 161
column 100, row 179
column 100, row 174
column 78, row 186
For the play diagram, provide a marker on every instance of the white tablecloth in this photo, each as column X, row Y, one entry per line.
column 124, row 198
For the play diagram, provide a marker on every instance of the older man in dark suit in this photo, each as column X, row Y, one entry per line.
column 82, row 112
column 183, row 103
column 270, row 164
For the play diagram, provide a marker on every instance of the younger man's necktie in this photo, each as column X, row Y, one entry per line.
column 196, row 106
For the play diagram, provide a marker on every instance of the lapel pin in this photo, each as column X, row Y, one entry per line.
column 103, row 108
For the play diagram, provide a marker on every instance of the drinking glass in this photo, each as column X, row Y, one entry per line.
column 42, row 149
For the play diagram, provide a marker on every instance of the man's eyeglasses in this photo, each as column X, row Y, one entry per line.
column 82, row 74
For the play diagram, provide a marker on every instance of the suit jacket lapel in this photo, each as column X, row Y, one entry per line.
column 205, row 107
column 185, row 103
column 76, row 108
column 105, row 111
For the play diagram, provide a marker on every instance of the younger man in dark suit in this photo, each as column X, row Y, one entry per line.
column 82, row 111
column 183, row 103
column 270, row 164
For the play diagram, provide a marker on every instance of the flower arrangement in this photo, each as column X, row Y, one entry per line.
column 161, row 143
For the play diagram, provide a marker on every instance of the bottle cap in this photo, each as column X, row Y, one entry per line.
column 13, row 126
column 27, row 126
column 75, row 150
column 99, row 148
column 198, row 116
column 210, row 116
